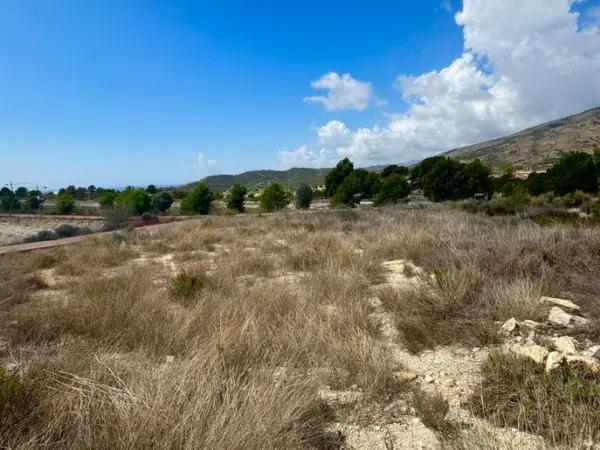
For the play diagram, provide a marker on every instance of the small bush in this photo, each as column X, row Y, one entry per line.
column 186, row 285
column 162, row 201
column 65, row 230
column 65, row 204
column 431, row 409
column 43, row 235
column 13, row 397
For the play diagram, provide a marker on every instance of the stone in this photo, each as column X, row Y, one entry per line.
column 593, row 352
column 404, row 376
column 564, row 304
column 509, row 327
column 565, row 344
column 535, row 352
column 560, row 318
column 531, row 324
column 587, row 361
column 428, row 379
column 554, row 360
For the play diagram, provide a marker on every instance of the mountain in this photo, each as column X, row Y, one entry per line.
column 537, row 147
column 257, row 178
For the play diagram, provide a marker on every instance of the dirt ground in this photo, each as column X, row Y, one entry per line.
column 14, row 231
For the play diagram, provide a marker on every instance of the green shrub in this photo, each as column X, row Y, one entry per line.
column 136, row 201
column 273, row 198
column 65, row 230
column 304, row 196
column 359, row 185
column 237, row 195
column 13, row 398
column 162, row 201
column 198, row 201
column 65, row 204
column 186, row 285
column 107, row 199
column 394, row 188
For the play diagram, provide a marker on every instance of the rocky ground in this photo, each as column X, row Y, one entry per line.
column 454, row 372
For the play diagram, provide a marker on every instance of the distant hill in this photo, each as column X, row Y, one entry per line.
column 539, row 146
column 257, row 178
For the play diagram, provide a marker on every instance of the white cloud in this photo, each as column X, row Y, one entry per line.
column 525, row 62
column 202, row 162
column 344, row 92
column 446, row 6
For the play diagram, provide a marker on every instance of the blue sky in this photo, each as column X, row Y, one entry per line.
column 132, row 92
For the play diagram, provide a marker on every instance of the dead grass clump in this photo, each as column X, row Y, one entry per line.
column 93, row 254
column 122, row 312
column 563, row 406
column 18, row 276
column 432, row 409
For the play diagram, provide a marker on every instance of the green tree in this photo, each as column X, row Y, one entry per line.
column 21, row 192
column 136, row 201
column 359, row 185
column 198, row 201
column 8, row 200
column 420, row 171
column 34, row 200
column 151, row 189
column 65, row 204
column 394, row 169
column 475, row 178
column 337, row 175
column 236, row 198
column 273, row 198
column 304, row 196
column 394, row 188
column 107, row 199
column 443, row 180
column 162, row 201
column 537, row 183
column 572, row 172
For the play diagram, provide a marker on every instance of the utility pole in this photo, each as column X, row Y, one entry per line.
column 534, row 153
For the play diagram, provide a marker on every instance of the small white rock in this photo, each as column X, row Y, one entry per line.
column 564, row 304
column 509, row 327
column 554, row 360
column 565, row 344
column 560, row 318
column 593, row 352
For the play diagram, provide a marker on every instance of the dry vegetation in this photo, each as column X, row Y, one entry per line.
column 221, row 335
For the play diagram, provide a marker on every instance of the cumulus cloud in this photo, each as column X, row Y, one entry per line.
column 344, row 93
column 202, row 162
column 524, row 62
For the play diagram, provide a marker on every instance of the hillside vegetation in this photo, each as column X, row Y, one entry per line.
column 537, row 147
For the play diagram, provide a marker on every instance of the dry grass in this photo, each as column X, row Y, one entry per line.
column 563, row 406
column 265, row 311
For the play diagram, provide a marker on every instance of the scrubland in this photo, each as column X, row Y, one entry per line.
column 260, row 332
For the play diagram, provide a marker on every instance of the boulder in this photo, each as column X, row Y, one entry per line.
column 510, row 327
column 535, row 352
column 560, row 318
column 565, row 344
column 564, row 304
column 554, row 360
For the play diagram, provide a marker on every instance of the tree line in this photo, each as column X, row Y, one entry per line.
column 439, row 178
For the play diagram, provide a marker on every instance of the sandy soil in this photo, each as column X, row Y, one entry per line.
column 14, row 231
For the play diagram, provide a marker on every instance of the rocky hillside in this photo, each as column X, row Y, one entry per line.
column 538, row 147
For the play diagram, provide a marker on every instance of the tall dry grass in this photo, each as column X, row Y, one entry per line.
column 231, row 350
